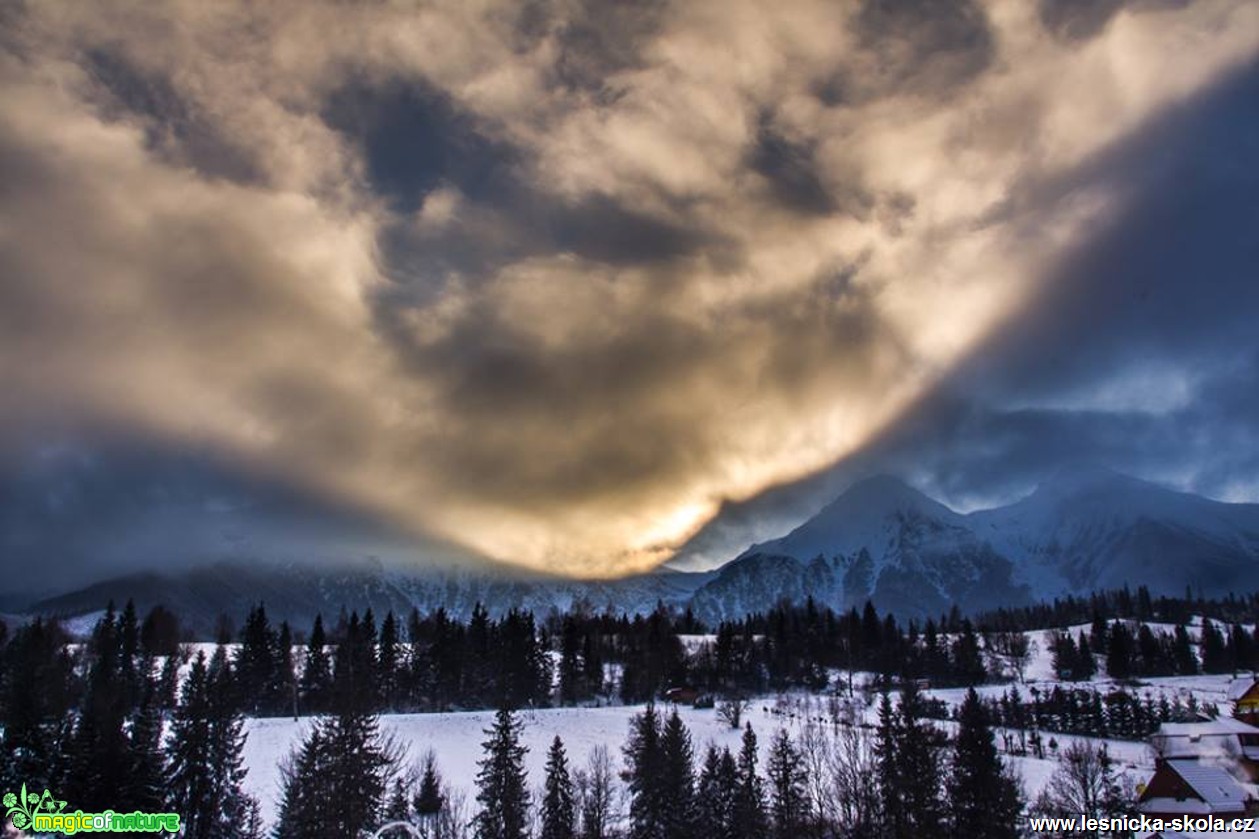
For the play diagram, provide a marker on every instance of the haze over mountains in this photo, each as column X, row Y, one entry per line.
column 880, row 540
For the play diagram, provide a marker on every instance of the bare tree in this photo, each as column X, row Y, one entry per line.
column 453, row 818
column 596, row 794
column 1083, row 784
column 815, row 754
column 1016, row 648
column 731, row 710
column 853, row 768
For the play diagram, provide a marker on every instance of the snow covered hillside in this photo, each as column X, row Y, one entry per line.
column 1084, row 530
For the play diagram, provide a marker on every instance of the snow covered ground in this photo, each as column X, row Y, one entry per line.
column 456, row 737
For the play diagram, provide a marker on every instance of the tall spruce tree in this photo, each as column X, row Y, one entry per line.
column 33, row 729
column 716, row 793
column 918, row 745
column 788, row 804
column 99, row 754
column 190, row 779
column 429, row 799
column 677, row 780
column 984, row 797
column 146, row 774
column 343, row 760
column 316, row 681
column 204, row 754
column 259, row 683
column 502, row 790
column 389, row 663
column 558, row 810
column 307, row 802
column 751, row 821
column 892, row 819
column 1214, row 651
column 645, row 761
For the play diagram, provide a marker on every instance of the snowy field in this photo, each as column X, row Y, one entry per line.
column 456, row 737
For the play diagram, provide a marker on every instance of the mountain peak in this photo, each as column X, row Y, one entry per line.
column 861, row 515
column 880, row 495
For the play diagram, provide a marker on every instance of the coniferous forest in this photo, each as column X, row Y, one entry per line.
column 135, row 717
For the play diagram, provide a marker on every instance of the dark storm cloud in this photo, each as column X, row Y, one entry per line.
column 1141, row 351
column 74, row 508
column 555, row 280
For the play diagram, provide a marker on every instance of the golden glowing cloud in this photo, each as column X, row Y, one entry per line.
column 706, row 247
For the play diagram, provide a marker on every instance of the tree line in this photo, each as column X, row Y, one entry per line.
column 903, row 778
column 114, row 725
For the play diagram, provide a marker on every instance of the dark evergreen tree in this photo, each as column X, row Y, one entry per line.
column 787, row 798
column 968, row 659
column 1240, row 649
column 33, row 729
column 984, row 798
column 716, row 794
column 677, row 780
column 644, row 757
column 316, row 681
column 389, row 663
column 98, row 753
column 1066, row 657
column 558, row 808
column 429, row 799
column 146, row 775
column 307, row 803
column 478, row 653
column 522, row 671
column 501, row 786
column 1120, row 652
column 1214, row 652
column 286, row 679
column 130, row 677
column 892, row 817
column 751, row 821
column 1085, row 666
column 917, row 767
column 204, row 754
column 1182, row 652
column 397, row 808
column 344, row 759
column 259, row 683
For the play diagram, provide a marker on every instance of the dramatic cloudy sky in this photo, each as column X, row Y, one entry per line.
column 587, row 286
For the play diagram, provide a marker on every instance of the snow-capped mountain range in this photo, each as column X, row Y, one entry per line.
column 880, row 540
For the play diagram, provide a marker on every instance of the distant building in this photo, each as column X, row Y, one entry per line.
column 681, row 695
column 1191, row 787
column 1223, row 741
column 1244, row 694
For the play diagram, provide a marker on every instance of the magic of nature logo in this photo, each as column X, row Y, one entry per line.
column 45, row 813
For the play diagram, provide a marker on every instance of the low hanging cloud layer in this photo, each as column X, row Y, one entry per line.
column 559, row 282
